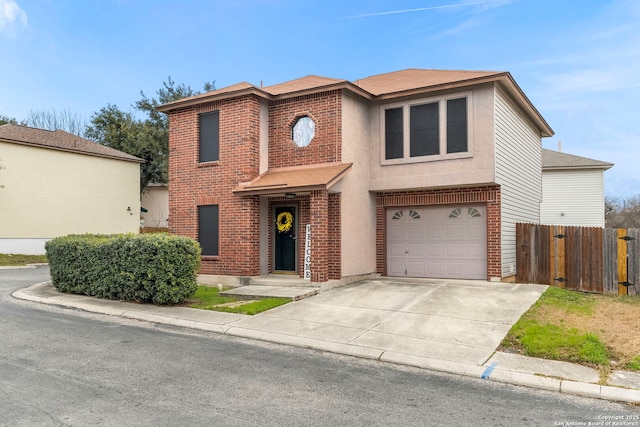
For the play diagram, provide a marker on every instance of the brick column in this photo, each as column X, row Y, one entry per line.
column 319, row 210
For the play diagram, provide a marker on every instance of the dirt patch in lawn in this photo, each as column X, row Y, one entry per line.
column 617, row 323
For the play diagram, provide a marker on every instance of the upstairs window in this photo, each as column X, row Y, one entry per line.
column 428, row 130
column 457, row 125
column 209, row 137
column 394, row 133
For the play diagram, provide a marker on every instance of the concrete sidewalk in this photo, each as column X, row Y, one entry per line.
column 444, row 325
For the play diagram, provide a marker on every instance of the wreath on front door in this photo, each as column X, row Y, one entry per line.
column 284, row 222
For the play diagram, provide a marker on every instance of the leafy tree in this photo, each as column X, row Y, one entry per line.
column 5, row 119
column 148, row 138
column 53, row 120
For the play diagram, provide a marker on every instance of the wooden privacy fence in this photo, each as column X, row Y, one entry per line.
column 589, row 259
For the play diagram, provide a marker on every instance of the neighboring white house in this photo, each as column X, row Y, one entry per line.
column 155, row 206
column 53, row 183
column 572, row 190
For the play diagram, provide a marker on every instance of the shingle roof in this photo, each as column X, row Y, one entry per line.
column 60, row 140
column 378, row 88
column 303, row 83
column 554, row 160
column 413, row 78
column 295, row 179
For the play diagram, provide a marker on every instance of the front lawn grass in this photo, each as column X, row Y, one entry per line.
column 208, row 298
column 591, row 329
column 12, row 260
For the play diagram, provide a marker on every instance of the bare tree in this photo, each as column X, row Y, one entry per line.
column 622, row 212
column 57, row 119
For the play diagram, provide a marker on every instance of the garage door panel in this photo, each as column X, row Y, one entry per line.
column 397, row 250
column 475, row 251
column 434, row 250
column 455, row 251
column 477, row 270
column 415, row 232
column 454, row 230
column 438, row 241
column 456, row 269
column 435, row 269
column 416, row 269
column 415, row 250
column 396, row 268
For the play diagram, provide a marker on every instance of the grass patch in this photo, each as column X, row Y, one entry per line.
column 633, row 364
column 556, row 342
column 592, row 329
column 255, row 307
column 208, row 298
column 568, row 301
column 17, row 260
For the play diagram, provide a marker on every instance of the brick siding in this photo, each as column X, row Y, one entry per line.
column 192, row 183
column 326, row 111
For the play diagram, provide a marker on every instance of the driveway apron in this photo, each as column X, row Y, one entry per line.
column 451, row 320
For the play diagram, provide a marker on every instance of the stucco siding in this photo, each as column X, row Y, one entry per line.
column 573, row 198
column 49, row 193
column 472, row 168
column 358, row 213
column 518, row 154
column 156, row 201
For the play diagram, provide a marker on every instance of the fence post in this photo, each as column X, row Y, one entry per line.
column 622, row 261
column 560, row 277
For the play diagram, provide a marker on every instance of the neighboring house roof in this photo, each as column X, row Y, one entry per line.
column 379, row 87
column 556, row 160
column 295, row 179
column 60, row 140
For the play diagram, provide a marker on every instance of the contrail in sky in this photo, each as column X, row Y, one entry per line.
column 393, row 12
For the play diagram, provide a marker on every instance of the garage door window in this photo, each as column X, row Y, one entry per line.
column 412, row 215
column 471, row 212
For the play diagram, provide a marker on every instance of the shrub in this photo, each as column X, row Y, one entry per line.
column 157, row 268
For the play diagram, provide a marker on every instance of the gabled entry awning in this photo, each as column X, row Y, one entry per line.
column 295, row 179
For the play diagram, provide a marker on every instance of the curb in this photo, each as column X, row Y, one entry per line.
column 491, row 373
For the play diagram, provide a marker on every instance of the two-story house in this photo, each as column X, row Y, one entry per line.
column 414, row 173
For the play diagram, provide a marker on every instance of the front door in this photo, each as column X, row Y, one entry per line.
column 285, row 240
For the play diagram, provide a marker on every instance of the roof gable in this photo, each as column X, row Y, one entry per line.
column 60, row 140
column 556, row 160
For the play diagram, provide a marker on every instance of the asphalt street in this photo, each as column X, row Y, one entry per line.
column 67, row 367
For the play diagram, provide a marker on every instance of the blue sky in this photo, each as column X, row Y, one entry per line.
column 577, row 60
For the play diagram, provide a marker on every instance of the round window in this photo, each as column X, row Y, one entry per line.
column 303, row 131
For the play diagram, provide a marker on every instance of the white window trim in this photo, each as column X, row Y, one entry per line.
column 442, row 115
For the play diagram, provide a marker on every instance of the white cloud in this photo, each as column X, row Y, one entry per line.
column 11, row 15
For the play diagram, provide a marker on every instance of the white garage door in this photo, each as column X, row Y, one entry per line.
column 448, row 242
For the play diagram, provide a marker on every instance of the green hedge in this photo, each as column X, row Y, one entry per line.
column 158, row 268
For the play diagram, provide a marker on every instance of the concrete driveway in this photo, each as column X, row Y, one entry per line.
column 449, row 320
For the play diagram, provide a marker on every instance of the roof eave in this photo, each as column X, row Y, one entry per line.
column 518, row 94
column 71, row 150
column 577, row 167
column 325, row 88
column 212, row 96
